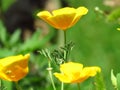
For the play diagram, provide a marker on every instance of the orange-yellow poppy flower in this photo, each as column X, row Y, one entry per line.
column 75, row 73
column 14, row 68
column 63, row 18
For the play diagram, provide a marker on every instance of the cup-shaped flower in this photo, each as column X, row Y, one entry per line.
column 63, row 18
column 75, row 73
column 14, row 68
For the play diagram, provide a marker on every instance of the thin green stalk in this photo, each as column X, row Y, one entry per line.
column 65, row 38
column 62, row 86
column 50, row 74
column 65, row 57
column 78, row 86
column 65, row 41
column 18, row 86
column 1, row 85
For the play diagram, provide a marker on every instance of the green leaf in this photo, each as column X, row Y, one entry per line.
column 2, row 86
column 5, row 52
column 31, row 43
column 3, row 34
column 6, row 4
column 114, row 15
column 35, row 42
column 7, row 85
column 15, row 37
column 99, row 82
column 118, row 81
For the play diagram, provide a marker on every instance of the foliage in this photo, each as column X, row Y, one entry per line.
column 99, row 82
column 96, row 43
column 6, row 3
column 57, row 55
column 114, row 15
column 118, row 81
column 13, row 45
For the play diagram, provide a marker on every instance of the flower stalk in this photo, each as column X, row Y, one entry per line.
column 62, row 86
column 18, row 87
column 78, row 86
column 50, row 74
column 65, row 38
column 65, row 57
column 65, row 41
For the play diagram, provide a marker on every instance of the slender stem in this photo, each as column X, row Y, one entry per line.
column 65, row 57
column 50, row 74
column 78, row 86
column 18, row 86
column 0, row 84
column 1, row 10
column 65, row 41
column 62, row 86
column 65, row 38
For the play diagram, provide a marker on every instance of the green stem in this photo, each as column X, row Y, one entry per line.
column 62, row 86
column 65, row 38
column 1, row 85
column 50, row 74
column 65, row 42
column 18, row 86
column 78, row 86
column 65, row 57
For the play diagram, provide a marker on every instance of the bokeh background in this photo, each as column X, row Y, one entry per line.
column 96, row 38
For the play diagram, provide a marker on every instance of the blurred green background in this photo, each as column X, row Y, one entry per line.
column 97, row 43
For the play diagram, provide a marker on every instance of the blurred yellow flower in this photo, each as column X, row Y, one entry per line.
column 63, row 18
column 14, row 68
column 75, row 73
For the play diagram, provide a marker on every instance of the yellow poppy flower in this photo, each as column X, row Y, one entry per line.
column 75, row 73
column 63, row 18
column 14, row 68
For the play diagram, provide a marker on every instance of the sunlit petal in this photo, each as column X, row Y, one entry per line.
column 75, row 73
column 14, row 68
column 63, row 18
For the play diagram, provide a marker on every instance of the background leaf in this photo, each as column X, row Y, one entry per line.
column 118, row 81
column 15, row 37
column 114, row 15
column 3, row 34
column 99, row 82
